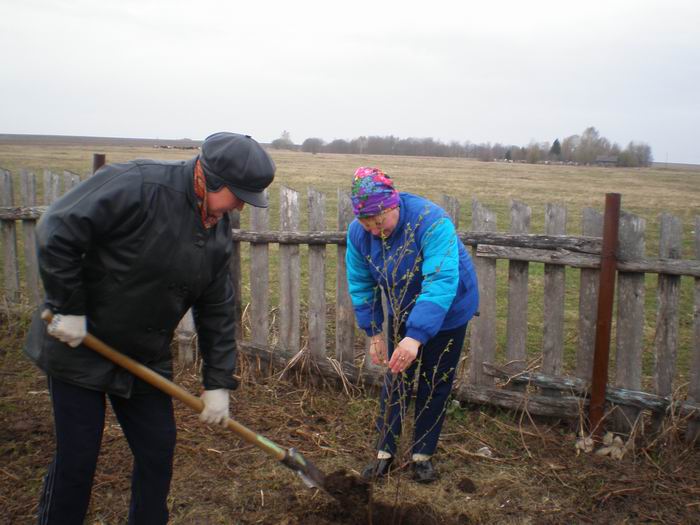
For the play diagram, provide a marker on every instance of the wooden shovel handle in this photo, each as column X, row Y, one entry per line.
column 173, row 390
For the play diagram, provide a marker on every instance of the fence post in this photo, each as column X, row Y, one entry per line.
column 28, row 194
column 630, row 318
column 98, row 160
column 554, row 290
column 9, row 241
column 290, row 273
column 317, row 277
column 483, row 329
column 235, row 271
column 592, row 226
column 606, row 293
column 186, row 336
column 52, row 187
column 70, row 181
column 344, row 315
column 260, row 278
column 668, row 295
column 518, row 274
column 693, row 431
column 451, row 205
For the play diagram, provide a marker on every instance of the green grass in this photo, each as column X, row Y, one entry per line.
column 646, row 192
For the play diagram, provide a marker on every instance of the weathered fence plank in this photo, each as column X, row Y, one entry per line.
column 290, row 273
column 451, row 205
column 564, row 243
column 618, row 396
column 692, row 434
column 235, row 272
column 344, row 315
column 52, row 187
column 259, row 278
column 576, row 244
column 592, row 225
column 70, row 181
column 186, row 337
column 483, row 327
column 518, row 273
column 554, row 290
column 668, row 297
column 8, row 234
column 565, row 258
column 317, row 277
column 629, row 342
column 31, row 275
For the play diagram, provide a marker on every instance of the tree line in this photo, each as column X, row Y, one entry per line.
column 587, row 148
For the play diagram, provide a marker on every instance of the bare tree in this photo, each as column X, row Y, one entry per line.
column 636, row 155
column 284, row 142
column 568, row 148
column 312, row 145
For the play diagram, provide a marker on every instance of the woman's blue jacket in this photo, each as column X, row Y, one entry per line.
column 424, row 269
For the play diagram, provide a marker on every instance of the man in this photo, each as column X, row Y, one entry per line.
column 124, row 256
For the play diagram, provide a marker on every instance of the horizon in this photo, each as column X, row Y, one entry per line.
column 3, row 136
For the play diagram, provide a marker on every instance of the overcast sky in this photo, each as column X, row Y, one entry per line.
column 488, row 71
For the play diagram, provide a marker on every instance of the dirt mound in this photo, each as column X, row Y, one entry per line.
column 350, row 491
column 375, row 513
column 354, row 505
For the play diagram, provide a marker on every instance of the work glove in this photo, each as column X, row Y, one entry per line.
column 215, row 410
column 71, row 329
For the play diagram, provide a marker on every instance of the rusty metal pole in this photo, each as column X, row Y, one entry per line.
column 98, row 160
column 606, row 293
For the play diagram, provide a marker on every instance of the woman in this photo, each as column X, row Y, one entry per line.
column 407, row 246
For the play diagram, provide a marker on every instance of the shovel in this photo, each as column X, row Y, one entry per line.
column 307, row 471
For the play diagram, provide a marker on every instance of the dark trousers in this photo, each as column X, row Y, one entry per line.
column 149, row 426
column 436, row 363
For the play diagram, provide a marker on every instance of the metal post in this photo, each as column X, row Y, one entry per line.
column 606, row 293
column 98, row 160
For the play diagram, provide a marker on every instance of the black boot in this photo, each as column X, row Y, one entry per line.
column 424, row 471
column 378, row 468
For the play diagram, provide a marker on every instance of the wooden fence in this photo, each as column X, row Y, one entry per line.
column 502, row 378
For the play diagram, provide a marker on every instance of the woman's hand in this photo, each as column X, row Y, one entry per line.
column 378, row 350
column 404, row 355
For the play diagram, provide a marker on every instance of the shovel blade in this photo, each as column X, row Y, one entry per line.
column 307, row 471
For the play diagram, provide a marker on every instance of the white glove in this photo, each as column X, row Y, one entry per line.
column 215, row 410
column 70, row 329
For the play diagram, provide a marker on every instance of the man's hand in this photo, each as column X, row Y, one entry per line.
column 71, row 329
column 404, row 355
column 215, row 407
column 377, row 350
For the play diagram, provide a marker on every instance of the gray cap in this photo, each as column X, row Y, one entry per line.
column 239, row 163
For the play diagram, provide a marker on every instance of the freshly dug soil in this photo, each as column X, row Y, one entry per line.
column 355, row 505
column 535, row 475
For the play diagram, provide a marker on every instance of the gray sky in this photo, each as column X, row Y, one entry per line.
column 488, row 71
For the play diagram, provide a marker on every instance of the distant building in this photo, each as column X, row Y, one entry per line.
column 606, row 160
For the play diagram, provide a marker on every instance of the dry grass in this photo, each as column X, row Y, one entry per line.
column 533, row 475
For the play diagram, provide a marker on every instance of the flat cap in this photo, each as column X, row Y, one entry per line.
column 239, row 163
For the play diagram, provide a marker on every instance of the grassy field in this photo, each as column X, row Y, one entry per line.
column 645, row 192
column 534, row 475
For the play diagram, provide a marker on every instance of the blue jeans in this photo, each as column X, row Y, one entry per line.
column 438, row 359
column 148, row 423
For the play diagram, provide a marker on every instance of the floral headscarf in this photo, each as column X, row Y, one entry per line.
column 372, row 193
